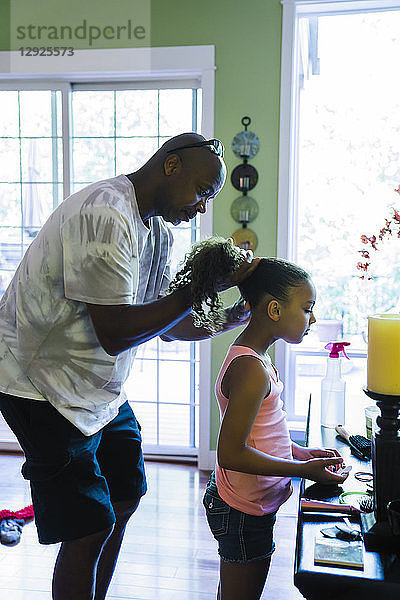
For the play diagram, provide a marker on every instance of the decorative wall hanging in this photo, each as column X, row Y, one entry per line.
column 244, row 178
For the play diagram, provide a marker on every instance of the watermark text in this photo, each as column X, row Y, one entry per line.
column 83, row 31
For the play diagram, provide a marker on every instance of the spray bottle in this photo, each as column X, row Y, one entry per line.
column 333, row 387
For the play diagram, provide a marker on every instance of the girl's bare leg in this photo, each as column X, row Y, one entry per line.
column 240, row 581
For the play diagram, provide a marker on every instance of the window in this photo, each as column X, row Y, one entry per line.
column 30, row 170
column 56, row 141
column 340, row 117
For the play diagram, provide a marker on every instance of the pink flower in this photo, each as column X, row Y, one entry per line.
column 362, row 266
column 383, row 232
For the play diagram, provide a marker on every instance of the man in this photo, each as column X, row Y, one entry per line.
column 88, row 291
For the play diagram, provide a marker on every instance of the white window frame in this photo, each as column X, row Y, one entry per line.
column 293, row 10
column 131, row 65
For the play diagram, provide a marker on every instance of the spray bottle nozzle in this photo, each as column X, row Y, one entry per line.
column 337, row 347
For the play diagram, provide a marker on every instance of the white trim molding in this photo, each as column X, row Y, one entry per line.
column 206, row 457
column 312, row 7
column 115, row 63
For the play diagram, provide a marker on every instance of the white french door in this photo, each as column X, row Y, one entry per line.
column 57, row 138
column 340, row 143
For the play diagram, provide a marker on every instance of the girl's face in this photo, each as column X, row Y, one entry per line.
column 296, row 315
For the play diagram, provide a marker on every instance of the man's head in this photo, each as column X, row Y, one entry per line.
column 187, row 175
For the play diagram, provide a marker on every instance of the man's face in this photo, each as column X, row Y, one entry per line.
column 189, row 190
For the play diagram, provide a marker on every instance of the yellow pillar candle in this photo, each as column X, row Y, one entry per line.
column 383, row 363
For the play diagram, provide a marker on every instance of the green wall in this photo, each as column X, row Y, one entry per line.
column 247, row 39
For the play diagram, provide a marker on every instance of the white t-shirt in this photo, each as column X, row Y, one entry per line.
column 94, row 248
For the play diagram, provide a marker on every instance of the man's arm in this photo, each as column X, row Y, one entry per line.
column 119, row 327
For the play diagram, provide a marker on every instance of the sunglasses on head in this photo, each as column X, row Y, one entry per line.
column 214, row 145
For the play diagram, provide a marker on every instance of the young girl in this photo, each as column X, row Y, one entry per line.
column 255, row 456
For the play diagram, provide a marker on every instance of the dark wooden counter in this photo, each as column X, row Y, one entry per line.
column 380, row 579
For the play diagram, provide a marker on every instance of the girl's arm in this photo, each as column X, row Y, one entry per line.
column 305, row 453
column 248, row 384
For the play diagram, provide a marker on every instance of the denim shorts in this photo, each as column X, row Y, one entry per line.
column 75, row 479
column 241, row 537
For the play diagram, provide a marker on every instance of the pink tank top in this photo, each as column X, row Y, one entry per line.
column 257, row 494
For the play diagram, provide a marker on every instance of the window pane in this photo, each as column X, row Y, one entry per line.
column 37, row 205
column 142, row 384
column 9, row 160
column 58, row 108
column 11, row 248
column 137, row 112
column 174, row 428
column 35, row 107
column 93, row 159
column 149, row 350
column 146, row 414
column 5, row 277
column 9, row 111
column 132, row 153
column 174, row 350
column 42, row 160
column 175, row 111
column 93, row 113
column 182, row 241
column 10, row 205
column 174, row 381
column 37, row 164
column 75, row 187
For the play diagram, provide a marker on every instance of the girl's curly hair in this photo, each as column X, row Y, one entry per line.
column 212, row 261
column 204, row 268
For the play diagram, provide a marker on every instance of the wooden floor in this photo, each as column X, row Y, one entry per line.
column 168, row 551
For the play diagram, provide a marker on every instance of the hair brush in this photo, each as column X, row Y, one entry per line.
column 360, row 445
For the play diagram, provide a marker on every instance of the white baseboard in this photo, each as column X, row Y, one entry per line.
column 206, row 460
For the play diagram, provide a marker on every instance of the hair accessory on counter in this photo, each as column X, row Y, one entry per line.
column 359, row 500
column 364, row 476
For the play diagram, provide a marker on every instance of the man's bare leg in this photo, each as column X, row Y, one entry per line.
column 109, row 555
column 75, row 569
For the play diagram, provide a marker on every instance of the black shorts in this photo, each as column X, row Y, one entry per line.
column 75, row 479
